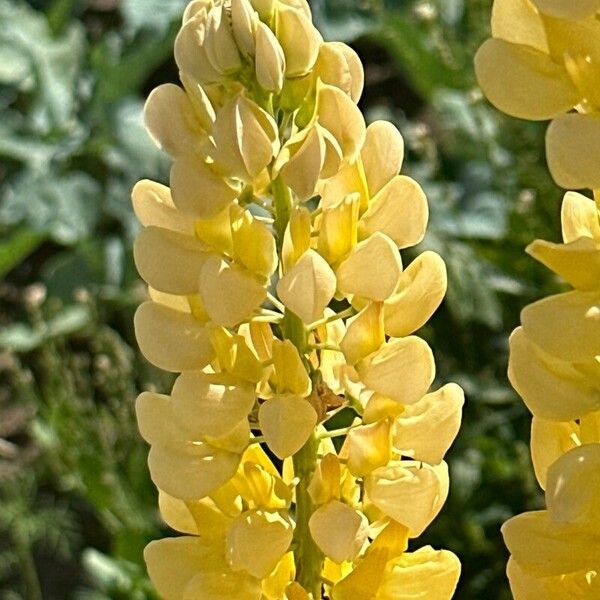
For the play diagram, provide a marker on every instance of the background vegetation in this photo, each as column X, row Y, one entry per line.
column 76, row 504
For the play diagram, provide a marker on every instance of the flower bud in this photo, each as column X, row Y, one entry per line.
column 269, row 60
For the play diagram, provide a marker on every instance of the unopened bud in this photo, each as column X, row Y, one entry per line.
column 270, row 60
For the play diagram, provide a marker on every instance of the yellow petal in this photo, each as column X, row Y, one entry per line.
column 171, row 122
column 169, row 261
column 336, row 112
column 573, row 150
column 244, row 22
column 253, row 243
column 153, row 206
column 210, row 408
column 565, row 325
column 274, row 586
column 299, row 39
column 286, row 423
column 297, row 237
column 399, row 210
column 173, row 562
column 219, row 43
column 382, row 155
column 340, row 66
column 368, row 447
column 364, row 334
column 230, row 294
column 552, row 389
column 308, row 287
column 338, row 530
column 190, row 471
column 355, row 68
column 420, row 291
column 223, row 584
column 325, row 483
column 246, row 138
column 256, row 542
column 372, row 269
column 579, row 217
column 544, row 548
column 190, row 54
column 549, row 441
column 425, row 430
column 338, row 233
column 197, row 190
column 156, row 421
column 518, row 21
column 216, row 232
column 403, row 370
column 176, row 514
column 577, row 262
column 235, row 356
column 171, row 340
column 412, row 495
column 522, row 81
column 566, row 9
column 300, row 162
column 290, row 373
column 573, row 488
column 426, row 573
column 269, row 60
column 204, row 110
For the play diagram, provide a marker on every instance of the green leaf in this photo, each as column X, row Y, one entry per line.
column 17, row 245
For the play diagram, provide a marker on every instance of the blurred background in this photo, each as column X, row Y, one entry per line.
column 76, row 503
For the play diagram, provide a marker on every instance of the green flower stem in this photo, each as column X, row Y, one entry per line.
column 308, row 557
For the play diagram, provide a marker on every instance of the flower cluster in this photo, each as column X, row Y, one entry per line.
column 555, row 367
column 543, row 61
column 278, row 294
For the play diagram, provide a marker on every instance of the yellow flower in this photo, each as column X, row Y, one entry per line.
column 275, row 283
column 543, row 61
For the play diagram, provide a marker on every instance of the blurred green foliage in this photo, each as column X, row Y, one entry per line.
column 76, row 504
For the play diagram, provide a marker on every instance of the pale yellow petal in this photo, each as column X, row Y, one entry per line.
column 427, row 573
column 518, row 21
column 270, row 60
column 191, row 471
column 399, row 210
column 230, row 293
column 364, row 333
column 412, row 495
column 579, row 217
column 223, row 584
column 235, row 356
column 552, row 389
column 573, row 150
column 382, row 155
column 337, row 113
column 171, row 340
column 173, row 562
column 577, row 262
column 253, row 243
column 339, row 530
column 190, row 54
column 197, row 190
column 549, row 441
column 244, row 23
column 565, row 325
column 421, row 289
column 522, row 81
column 169, row 261
column 355, row 68
column 568, row 9
column 153, row 206
column 368, row 447
column 573, row 488
column 176, row 514
column 216, row 232
column 170, row 120
column 296, row 240
column 290, row 373
column 308, row 287
column 339, row 229
column 209, row 408
column 286, row 423
column 219, row 43
column 425, row 430
column 403, row 370
column 372, row 269
column 256, row 542
column 544, row 548
column 299, row 39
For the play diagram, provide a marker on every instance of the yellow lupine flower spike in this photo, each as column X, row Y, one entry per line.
column 275, row 282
